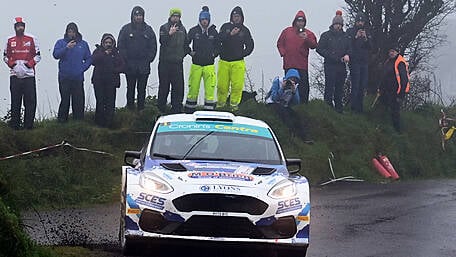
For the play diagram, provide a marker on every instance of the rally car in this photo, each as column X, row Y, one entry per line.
column 213, row 177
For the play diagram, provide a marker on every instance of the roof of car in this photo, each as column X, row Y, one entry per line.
column 213, row 116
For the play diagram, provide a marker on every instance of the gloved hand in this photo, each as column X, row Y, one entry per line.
column 20, row 70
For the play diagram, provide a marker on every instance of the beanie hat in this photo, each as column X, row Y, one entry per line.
column 204, row 14
column 175, row 11
column 19, row 21
column 338, row 18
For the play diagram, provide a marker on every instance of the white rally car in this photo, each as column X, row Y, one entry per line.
column 212, row 177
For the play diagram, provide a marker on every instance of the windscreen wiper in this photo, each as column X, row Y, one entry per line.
column 166, row 156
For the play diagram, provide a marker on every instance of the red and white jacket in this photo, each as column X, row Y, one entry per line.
column 21, row 54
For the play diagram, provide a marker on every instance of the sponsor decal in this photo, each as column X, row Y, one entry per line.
column 133, row 211
column 151, row 201
column 289, row 205
column 220, row 188
column 220, row 175
column 214, row 126
column 13, row 44
column 27, row 43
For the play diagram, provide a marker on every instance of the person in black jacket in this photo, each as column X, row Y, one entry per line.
column 138, row 46
column 106, row 79
column 360, row 44
column 395, row 84
column 173, row 48
column 236, row 44
column 334, row 47
column 205, row 49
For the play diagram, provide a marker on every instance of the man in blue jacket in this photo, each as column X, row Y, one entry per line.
column 284, row 94
column 74, row 58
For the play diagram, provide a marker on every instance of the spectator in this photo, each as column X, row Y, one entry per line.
column 395, row 84
column 236, row 44
column 21, row 54
column 360, row 44
column 282, row 96
column 173, row 48
column 334, row 47
column 205, row 49
column 294, row 44
column 108, row 64
column 137, row 44
column 74, row 58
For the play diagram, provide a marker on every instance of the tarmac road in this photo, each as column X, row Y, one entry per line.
column 357, row 219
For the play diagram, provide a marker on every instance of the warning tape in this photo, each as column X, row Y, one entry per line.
column 63, row 143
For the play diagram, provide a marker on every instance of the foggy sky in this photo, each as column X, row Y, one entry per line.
column 47, row 20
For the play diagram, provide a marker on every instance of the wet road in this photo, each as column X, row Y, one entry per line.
column 354, row 219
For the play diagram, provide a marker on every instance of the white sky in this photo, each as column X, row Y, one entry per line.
column 47, row 19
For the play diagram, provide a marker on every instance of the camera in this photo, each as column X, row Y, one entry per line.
column 288, row 85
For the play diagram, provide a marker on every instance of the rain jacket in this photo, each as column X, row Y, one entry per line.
column 206, row 44
column 235, row 48
column 276, row 92
column 293, row 48
column 75, row 61
column 137, row 44
column 107, row 67
column 333, row 45
column 173, row 48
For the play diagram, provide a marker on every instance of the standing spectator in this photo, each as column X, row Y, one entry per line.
column 106, row 79
column 395, row 84
column 74, row 58
column 173, row 48
column 236, row 44
column 294, row 43
column 334, row 47
column 205, row 48
column 137, row 44
column 21, row 54
column 360, row 44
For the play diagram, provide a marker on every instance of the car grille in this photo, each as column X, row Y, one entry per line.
column 216, row 226
column 220, row 203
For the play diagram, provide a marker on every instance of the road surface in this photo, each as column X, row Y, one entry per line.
column 357, row 219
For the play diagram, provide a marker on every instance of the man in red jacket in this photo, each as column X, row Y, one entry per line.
column 294, row 44
column 21, row 54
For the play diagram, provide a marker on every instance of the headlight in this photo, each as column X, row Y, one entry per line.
column 154, row 183
column 283, row 189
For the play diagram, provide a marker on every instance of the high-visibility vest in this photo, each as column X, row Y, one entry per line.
column 398, row 77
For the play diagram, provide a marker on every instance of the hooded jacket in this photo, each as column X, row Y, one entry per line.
column 206, row 44
column 73, row 62
column 276, row 92
column 359, row 47
column 333, row 45
column 235, row 48
column 107, row 66
column 173, row 48
column 293, row 48
column 137, row 44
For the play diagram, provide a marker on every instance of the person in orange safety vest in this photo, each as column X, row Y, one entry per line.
column 395, row 84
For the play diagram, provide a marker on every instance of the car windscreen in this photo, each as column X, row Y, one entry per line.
column 214, row 141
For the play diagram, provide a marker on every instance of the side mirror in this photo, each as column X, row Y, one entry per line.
column 131, row 158
column 293, row 166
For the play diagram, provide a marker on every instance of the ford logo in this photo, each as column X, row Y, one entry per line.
column 205, row 188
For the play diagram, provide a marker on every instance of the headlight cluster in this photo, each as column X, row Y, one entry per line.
column 151, row 182
column 283, row 189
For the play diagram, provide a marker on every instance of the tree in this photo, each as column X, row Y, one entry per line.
column 414, row 26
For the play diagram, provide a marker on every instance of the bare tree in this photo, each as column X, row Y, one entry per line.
column 414, row 26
